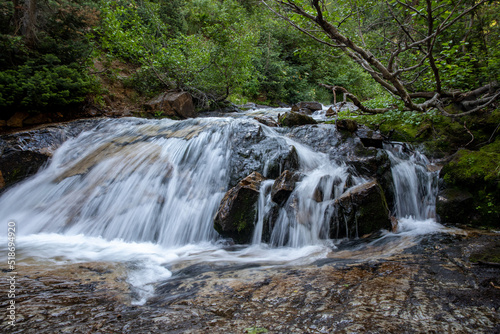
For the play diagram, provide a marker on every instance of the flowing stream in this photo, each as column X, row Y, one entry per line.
column 145, row 192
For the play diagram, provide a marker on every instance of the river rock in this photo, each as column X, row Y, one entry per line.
column 370, row 138
column 307, row 107
column 266, row 120
column 237, row 212
column 174, row 104
column 23, row 153
column 454, row 206
column 283, row 186
column 361, row 210
column 323, row 191
column 291, row 119
column 347, row 125
column 16, row 121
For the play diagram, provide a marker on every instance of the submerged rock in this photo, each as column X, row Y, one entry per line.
column 237, row 212
column 361, row 210
column 291, row 119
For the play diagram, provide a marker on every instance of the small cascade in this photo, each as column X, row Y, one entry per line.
column 157, row 181
column 415, row 186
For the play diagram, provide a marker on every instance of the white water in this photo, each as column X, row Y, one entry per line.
column 145, row 193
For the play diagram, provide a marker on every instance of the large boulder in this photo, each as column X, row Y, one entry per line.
column 307, row 107
column 361, row 210
column 237, row 212
column 283, row 186
column 173, row 104
column 454, row 206
column 295, row 119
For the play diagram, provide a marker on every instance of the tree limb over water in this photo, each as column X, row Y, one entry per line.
column 424, row 53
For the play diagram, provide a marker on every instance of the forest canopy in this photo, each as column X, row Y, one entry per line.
column 414, row 55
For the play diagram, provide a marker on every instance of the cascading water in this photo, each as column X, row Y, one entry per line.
column 415, row 189
column 146, row 192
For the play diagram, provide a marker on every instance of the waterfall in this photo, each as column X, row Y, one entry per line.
column 415, row 187
column 138, row 181
column 162, row 181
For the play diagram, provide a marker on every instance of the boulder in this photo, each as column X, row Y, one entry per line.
column 283, row 186
column 266, row 120
column 16, row 121
column 347, row 125
column 307, row 107
column 291, row 119
column 361, row 210
column 454, row 206
column 173, row 104
column 237, row 212
column 3, row 123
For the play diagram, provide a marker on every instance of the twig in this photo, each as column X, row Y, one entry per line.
column 470, row 134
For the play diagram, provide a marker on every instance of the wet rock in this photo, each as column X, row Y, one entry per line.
column 291, row 119
column 347, row 125
column 361, row 210
column 266, row 121
column 319, row 194
column 173, row 104
column 17, row 165
column 237, row 212
column 23, row 153
column 283, row 186
column 307, row 107
column 370, row 138
column 454, row 206
column 16, row 121
column 254, row 151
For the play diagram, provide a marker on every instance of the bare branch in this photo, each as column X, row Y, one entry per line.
column 490, row 101
column 355, row 100
column 300, row 28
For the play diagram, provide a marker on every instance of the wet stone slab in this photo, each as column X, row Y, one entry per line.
column 430, row 287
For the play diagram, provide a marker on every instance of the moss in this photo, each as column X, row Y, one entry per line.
column 479, row 173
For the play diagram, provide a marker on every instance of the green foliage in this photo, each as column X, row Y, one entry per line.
column 36, row 88
column 52, row 69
